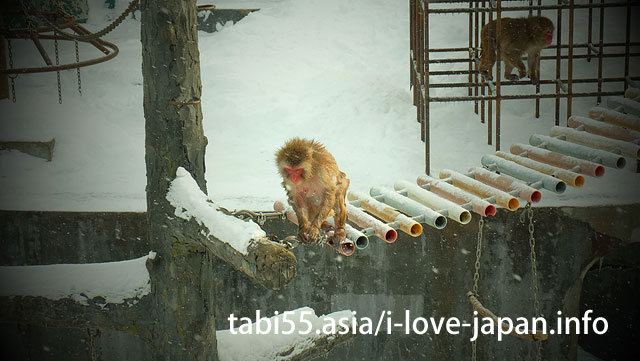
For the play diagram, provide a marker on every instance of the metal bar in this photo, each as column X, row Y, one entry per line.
column 520, row 96
column 476, row 44
column 546, row 57
column 40, row 48
column 551, row 47
column 526, row 8
column 589, row 31
column 570, row 58
column 426, row 82
column 538, row 63
column 548, row 82
column 627, row 42
column 558, row 62
column 600, row 55
column 498, row 72
column 482, row 89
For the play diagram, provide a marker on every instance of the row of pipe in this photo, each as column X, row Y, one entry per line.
column 550, row 162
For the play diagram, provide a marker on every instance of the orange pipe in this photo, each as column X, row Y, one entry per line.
column 506, row 184
column 457, row 195
column 459, row 180
column 558, row 159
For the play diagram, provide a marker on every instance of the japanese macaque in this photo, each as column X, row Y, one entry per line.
column 315, row 187
column 517, row 36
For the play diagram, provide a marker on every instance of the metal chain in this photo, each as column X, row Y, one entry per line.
column 55, row 40
column 259, row 217
column 88, row 37
column 78, row 69
column 534, row 275
column 11, row 77
column 476, row 277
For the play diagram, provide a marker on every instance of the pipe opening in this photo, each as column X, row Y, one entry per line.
column 513, row 204
column 621, row 163
column 440, row 222
column 599, row 171
column 465, row 217
column 490, row 210
column 391, row 236
column 561, row 187
column 362, row 242
column 416, row 230
column 536, row 196
column 579, row 181
column 347, row 248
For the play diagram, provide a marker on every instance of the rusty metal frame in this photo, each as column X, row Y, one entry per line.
column 109, row 49
column 482, row 11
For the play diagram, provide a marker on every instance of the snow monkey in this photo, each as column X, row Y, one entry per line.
column 517, row 36
column 315, row 187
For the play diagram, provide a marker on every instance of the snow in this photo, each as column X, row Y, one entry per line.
column 267, row 347
column 333, row 70
column 114, row 282
column 190, row 202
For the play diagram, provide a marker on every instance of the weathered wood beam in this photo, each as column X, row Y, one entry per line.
column 270, row 264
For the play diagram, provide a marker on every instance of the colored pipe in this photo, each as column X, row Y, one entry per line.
column 629, row 106
column 386, row 213
column 558, row 159
column 632, row 93
column 360, row 239
column 571, row 178
column 459, row 180
column 457, row 195
column 410, row 207
column 526, row 174
column 579, row 151
column 380, row 229
column 433, row 201
column 615, row 117
column 345, row 247
column 506, row 184
column 602, row 128
column 597, row 141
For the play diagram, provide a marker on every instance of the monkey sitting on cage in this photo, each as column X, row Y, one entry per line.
column 517, row 36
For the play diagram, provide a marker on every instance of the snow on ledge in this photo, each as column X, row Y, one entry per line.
column 116, row 282
column 189, row 201
column 268, row 346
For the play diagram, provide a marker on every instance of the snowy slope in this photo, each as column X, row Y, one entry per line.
column 334, row 70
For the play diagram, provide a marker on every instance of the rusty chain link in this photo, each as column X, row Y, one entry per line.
column 78, row 69
column 88, row 37
column 476, row 277
column 534, row 275
column 12, row 77
column 55, row 40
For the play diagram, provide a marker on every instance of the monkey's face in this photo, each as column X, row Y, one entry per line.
column 294, row 173
column 548, row 37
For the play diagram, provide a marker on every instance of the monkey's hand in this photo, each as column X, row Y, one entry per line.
column 313, row 235
column 535, row 81
column 303, row 234
column 340, row 234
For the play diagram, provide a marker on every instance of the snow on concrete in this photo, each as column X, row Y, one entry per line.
column 190, row 202
column 333, row 70
column 115, row 282
column 267, row 347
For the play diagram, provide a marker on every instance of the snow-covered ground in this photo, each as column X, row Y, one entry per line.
column 333, row 70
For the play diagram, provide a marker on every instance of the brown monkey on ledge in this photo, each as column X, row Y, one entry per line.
column 517, row 36
column 315, row 187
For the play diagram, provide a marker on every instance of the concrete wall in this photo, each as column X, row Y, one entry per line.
column 429, row 276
